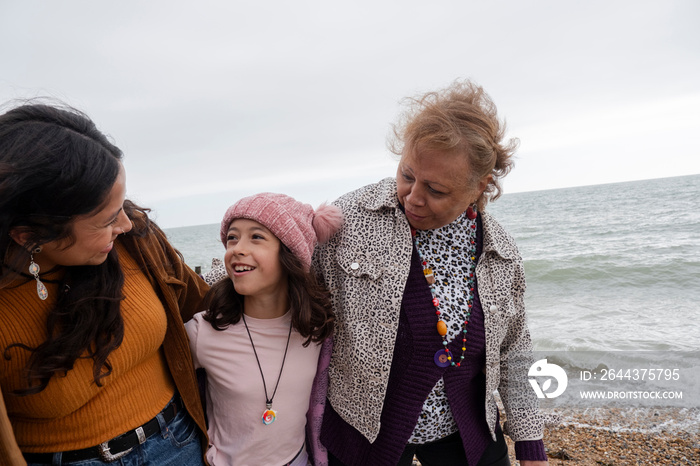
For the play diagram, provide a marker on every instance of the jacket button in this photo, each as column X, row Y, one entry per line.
column 493, row 308
column 354, row 266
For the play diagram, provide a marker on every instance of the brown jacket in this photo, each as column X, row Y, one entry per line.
column 181, row 291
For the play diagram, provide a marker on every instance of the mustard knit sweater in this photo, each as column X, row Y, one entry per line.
column 73, row 412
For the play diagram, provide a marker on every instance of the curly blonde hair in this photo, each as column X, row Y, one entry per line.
column 461, row 118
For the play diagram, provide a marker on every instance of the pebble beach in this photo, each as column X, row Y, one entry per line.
column 620, row 437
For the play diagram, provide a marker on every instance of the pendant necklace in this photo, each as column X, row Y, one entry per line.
column 443, row 357
column 269, row 415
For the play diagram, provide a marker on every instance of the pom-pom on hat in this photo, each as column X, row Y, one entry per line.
column 294, row 223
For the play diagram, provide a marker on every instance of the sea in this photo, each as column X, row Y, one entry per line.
column 613, row 282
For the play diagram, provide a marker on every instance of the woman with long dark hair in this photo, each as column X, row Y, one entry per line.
column 95, row 359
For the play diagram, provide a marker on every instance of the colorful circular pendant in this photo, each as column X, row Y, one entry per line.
column 269, row 416
column 441, row 358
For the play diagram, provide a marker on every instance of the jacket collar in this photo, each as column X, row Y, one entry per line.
column 382, row 194
column 496, row 239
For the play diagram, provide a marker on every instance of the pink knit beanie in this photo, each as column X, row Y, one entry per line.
column 295, row 224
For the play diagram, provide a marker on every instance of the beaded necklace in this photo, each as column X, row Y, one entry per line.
column 443, row 357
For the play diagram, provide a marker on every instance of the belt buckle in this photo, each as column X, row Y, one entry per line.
column 107, row 456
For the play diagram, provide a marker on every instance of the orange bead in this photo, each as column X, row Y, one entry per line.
column 442, row 328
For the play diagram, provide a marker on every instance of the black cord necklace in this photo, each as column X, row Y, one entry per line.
column 269, row 415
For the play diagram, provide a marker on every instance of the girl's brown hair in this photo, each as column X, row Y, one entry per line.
column 312, row 313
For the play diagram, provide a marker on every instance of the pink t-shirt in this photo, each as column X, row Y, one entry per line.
column 235, row 393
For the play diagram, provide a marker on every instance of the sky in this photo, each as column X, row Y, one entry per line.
column 214, row 100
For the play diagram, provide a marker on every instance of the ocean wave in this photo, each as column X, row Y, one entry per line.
column 645, row 420
column 679, row 273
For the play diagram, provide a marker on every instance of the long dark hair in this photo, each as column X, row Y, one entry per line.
column 312, row 313
column 55, row 165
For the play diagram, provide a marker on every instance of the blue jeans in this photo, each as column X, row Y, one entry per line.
column 177, row 444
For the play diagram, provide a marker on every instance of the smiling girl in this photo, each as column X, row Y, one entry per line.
column 260, row 340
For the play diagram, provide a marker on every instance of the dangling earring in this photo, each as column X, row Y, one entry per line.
column 471, row 211
column 41, row 290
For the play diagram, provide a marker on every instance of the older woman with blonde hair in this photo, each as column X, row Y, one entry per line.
column 428, row 291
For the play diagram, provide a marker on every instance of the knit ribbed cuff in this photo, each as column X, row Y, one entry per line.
column 532, row 450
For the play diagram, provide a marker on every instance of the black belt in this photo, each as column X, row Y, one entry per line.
column 114, row 449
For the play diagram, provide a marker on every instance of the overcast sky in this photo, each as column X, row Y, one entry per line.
column 213, row 100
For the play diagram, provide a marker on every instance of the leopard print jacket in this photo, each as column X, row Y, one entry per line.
column 216, row 273
column 366, row 265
